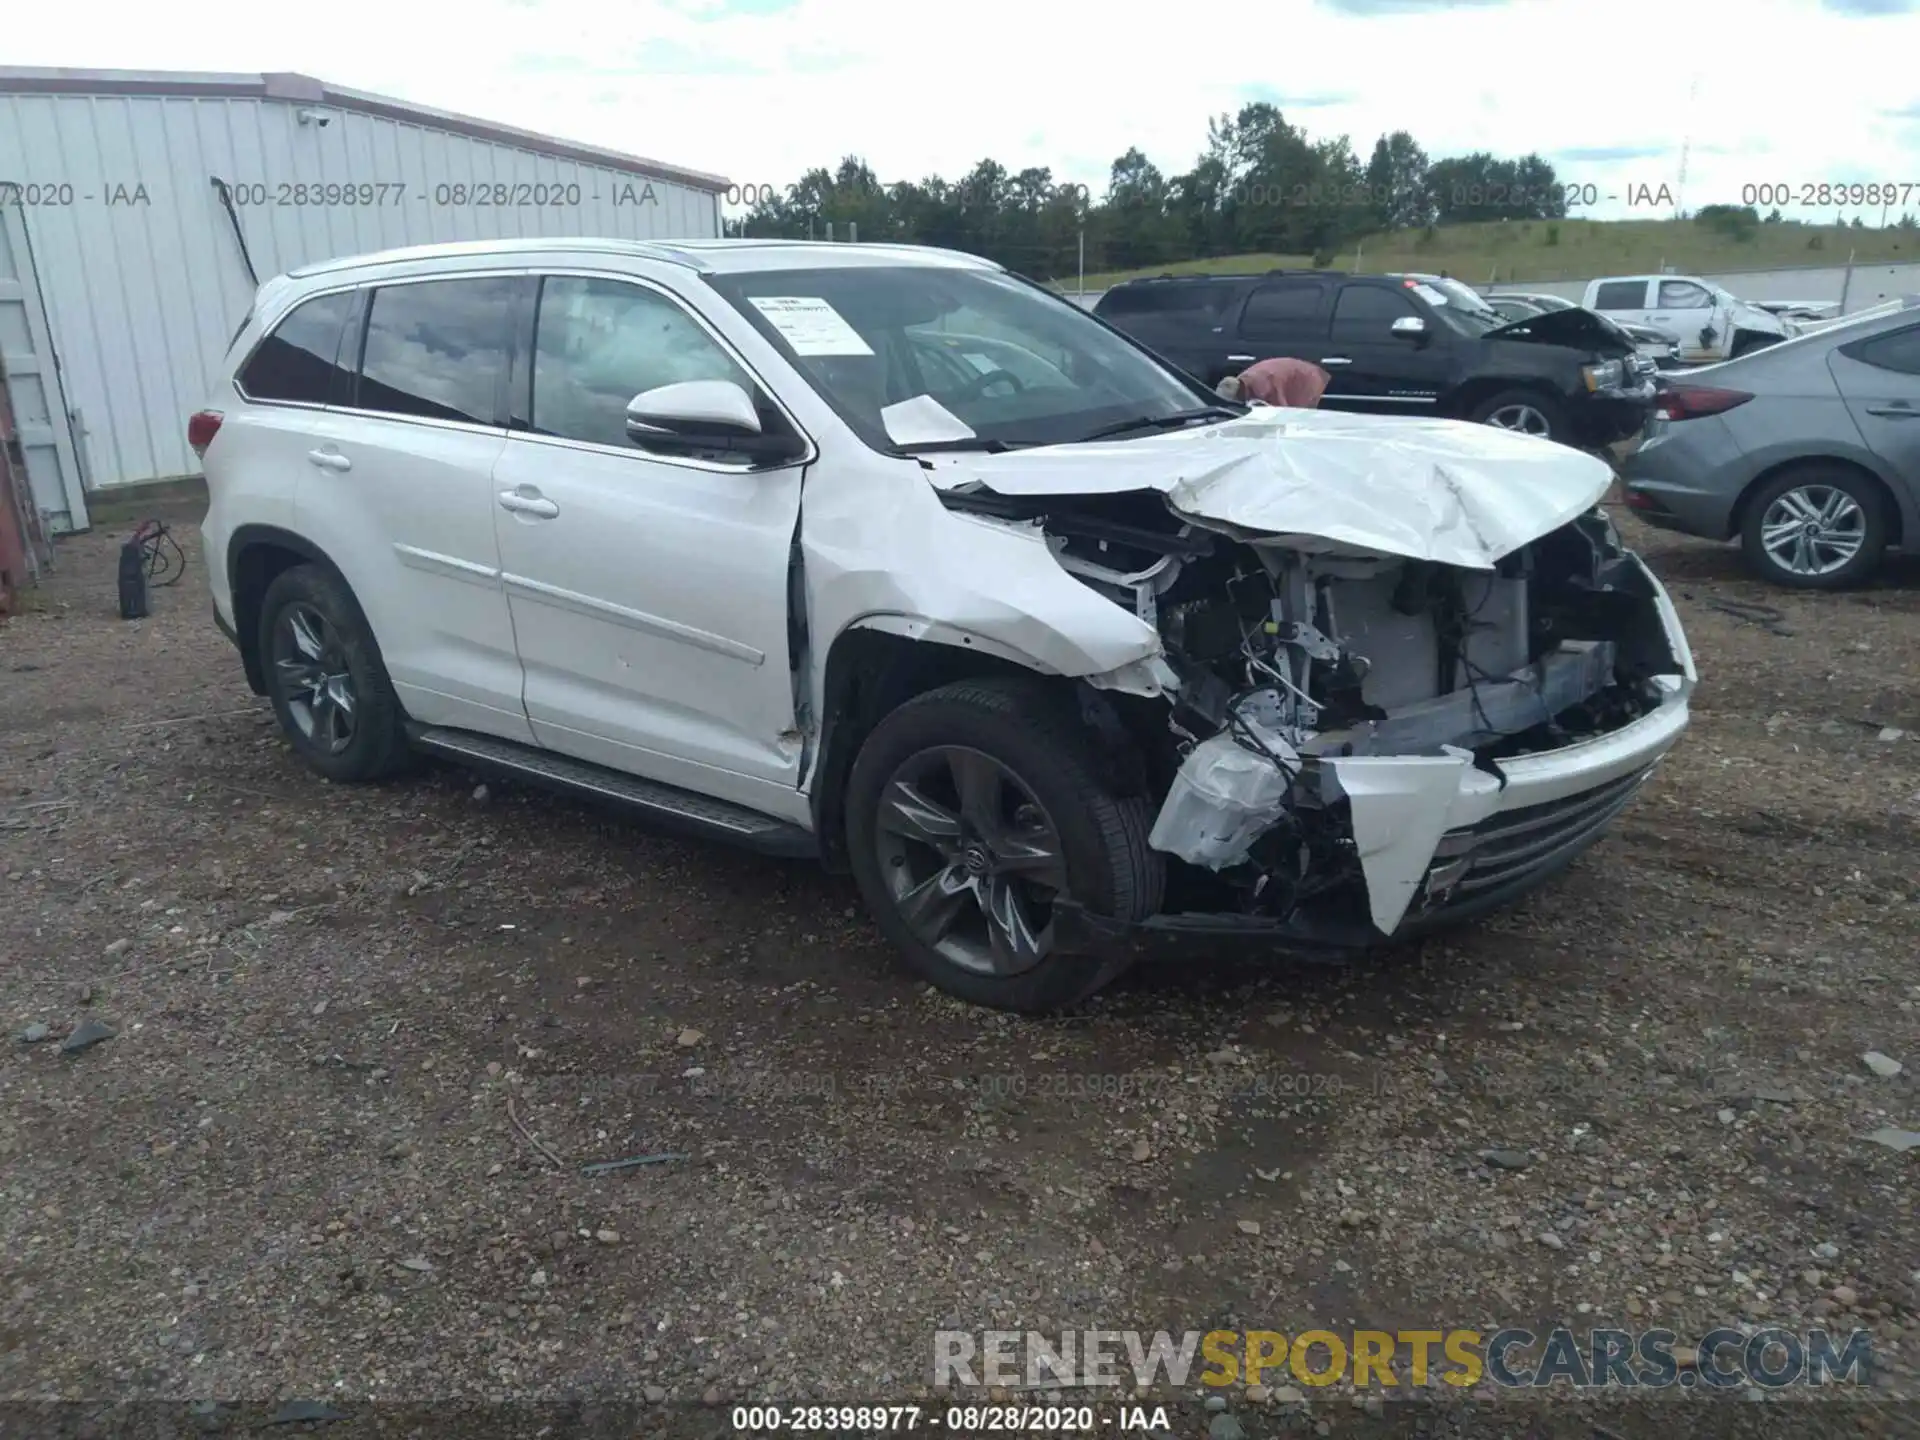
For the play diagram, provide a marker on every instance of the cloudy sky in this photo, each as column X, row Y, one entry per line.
column 1769, row 91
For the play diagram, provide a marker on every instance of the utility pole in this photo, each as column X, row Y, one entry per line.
column 1082, row 245
column 1686, row 150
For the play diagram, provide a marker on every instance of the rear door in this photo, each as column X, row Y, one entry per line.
column 1181, row 321
column 397, row 488
column 1375, row 370
column 1880, row 378
column 1281, row 319
column 1628, row 301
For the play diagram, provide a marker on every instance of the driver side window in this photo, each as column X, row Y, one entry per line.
column 1683, row 295
column 598, row 343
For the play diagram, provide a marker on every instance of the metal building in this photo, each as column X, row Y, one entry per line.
column 138, row 209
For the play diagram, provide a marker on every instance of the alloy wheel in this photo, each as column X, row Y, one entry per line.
column 971, row 858
column 311, row 670
column 1523, row 418
column 1813, row 529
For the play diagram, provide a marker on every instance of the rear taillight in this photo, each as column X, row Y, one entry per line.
column 201, row 429
column 1690, row 402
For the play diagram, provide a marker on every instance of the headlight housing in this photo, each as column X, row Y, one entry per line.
column 1605, row 376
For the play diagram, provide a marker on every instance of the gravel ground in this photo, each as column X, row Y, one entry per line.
column 365, row 1038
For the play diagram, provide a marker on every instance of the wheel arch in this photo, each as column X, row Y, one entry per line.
column 256, row 556
column 878, row 663
column 1477, row 391
column 1890, row 502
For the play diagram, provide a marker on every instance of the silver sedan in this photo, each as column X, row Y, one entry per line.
column 1806, row 452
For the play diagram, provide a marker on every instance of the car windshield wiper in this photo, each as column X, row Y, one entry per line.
column 976, row 443
column 1157, row 422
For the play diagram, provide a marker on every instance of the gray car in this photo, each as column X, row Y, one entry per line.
column 1807, row 452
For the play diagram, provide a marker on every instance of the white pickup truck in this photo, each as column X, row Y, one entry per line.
column 1711, row 323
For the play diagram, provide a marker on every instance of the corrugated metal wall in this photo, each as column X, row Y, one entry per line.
column 142, row 275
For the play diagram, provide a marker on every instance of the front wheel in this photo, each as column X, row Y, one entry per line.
column 1815, row 528
column 1524, row 411
column 970, row 811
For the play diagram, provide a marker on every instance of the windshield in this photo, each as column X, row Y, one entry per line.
column 913, row 355
column 1459, row 306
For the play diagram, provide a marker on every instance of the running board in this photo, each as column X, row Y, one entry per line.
column 667, row 805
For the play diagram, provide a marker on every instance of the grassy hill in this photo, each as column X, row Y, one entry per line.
column 1514, row 251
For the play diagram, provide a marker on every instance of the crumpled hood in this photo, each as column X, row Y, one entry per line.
column 1575, row 329
column 1318, row 480
column 1755, row 318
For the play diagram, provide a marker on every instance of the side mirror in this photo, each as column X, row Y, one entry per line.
column 1410, row 326
column 705, row 415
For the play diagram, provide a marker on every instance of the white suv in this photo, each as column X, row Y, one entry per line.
column 886, row 555
column 1710, row 323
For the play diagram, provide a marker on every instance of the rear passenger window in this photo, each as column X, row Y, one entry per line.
column 300, row 360
column 599, row 343
column 1897, row 351
column 437, row 349
column 1277, row 310
column 1621, row 295
column 1177, row 298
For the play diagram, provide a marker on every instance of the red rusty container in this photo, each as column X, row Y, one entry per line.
column 15, row 512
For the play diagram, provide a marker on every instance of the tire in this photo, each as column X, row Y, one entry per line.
column 1545, row 409
column 308, row 606
column 1857, row 522
column 1747, row 344
column 1098, row 841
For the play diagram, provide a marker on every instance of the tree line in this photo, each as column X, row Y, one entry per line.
column 1261, row 185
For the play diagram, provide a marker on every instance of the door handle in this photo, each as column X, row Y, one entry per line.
column 1335, row 360
column 329, row 460
column 1239, row 359
column 1894, row 411
column 528, row 504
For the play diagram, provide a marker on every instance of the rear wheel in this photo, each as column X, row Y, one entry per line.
column 970, row 811
column 1526, row 412
column 324, row 676
column 1815, row 528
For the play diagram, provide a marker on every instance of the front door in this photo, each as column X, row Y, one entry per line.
column 1686, row 310
column 1376, row 371
column 649, row 594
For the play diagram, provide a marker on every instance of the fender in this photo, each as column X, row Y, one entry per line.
column 936, row 632
column 246, row 587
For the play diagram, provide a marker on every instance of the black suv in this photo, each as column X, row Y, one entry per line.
column 1399, row 345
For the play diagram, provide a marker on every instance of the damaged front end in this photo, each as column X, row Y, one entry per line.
column 1351, row 745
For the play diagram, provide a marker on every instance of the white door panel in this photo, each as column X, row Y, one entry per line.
column 650, row 606
column 411, row 521
column 648, row 593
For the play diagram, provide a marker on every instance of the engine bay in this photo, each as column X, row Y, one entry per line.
column 1289, row 657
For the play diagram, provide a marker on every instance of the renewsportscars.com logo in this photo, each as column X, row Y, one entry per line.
column 1511, row 1358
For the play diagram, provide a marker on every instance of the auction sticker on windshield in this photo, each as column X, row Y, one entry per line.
column 1429, row 294
column 810, row 325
